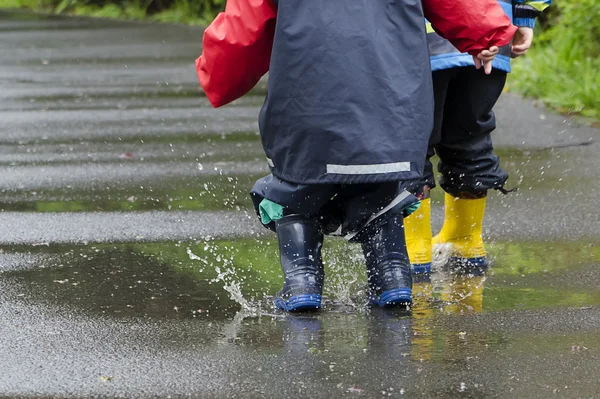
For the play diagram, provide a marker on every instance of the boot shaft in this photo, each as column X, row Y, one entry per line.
column 461, row 236
column 300, row 243
column 384, row 247
column 417, row 228
column 463, row 217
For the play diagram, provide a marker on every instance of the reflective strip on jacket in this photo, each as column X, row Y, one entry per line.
column 349, row 92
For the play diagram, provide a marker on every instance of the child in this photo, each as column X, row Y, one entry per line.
column 345, row 123
column 463, row 122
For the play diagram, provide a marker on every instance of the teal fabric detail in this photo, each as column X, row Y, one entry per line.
column 269, row 211
column 412, row 208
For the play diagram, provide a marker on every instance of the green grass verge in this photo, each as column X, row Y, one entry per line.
column 563, row 67
column 180, row 11
column 566, row 84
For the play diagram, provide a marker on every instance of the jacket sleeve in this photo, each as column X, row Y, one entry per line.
column 236, row 50
column 526, row 11
column 471, row 26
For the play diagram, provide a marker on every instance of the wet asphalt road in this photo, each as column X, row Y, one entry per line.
column 124, row 214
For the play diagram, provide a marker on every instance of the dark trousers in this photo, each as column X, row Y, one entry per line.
column 346, row 208
column 461, row 137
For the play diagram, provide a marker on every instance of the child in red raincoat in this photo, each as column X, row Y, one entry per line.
column 345, row 124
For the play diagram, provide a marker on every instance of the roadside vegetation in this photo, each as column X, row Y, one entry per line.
column 195, row 12
column 563, row 68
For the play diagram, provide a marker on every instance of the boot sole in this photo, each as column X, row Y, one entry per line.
column 421, row 268
column 299, row 303
column 395, row 297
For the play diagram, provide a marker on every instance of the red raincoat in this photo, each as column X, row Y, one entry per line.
column 236, row 47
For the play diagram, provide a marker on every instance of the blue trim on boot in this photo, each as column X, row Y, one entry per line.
column 394, row 297
column 474, row 266
column 469, row 262
column 420, row 268
column 299, row 303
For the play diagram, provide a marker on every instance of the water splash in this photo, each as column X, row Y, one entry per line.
column 234, row 289
column 441, row 255
column 193, row 256
column 228, row 276
column 345, row 283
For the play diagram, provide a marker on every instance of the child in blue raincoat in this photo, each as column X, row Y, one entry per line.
column 461, row 137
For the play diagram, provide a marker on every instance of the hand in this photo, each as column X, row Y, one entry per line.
column 485, row 58
column 521, row 41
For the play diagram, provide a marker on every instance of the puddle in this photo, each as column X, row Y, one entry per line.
column 168, row 96
column 198, row 194
column 461, row 336
column 153, row 279
column 189, row 192
column 109, row 156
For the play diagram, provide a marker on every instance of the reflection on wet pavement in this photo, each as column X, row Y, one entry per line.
column 347, row 348
column 227, row 192
column 177, row 279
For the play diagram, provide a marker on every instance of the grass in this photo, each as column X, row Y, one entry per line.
column 566, row 84
column 563, row 67
column 36, row 5
column 184, row 12
column 180, row 12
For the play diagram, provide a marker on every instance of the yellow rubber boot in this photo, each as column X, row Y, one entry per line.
column 461, row 233
column 417, row 230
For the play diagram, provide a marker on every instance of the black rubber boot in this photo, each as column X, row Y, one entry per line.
column 388, row 266
column 300, row 242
